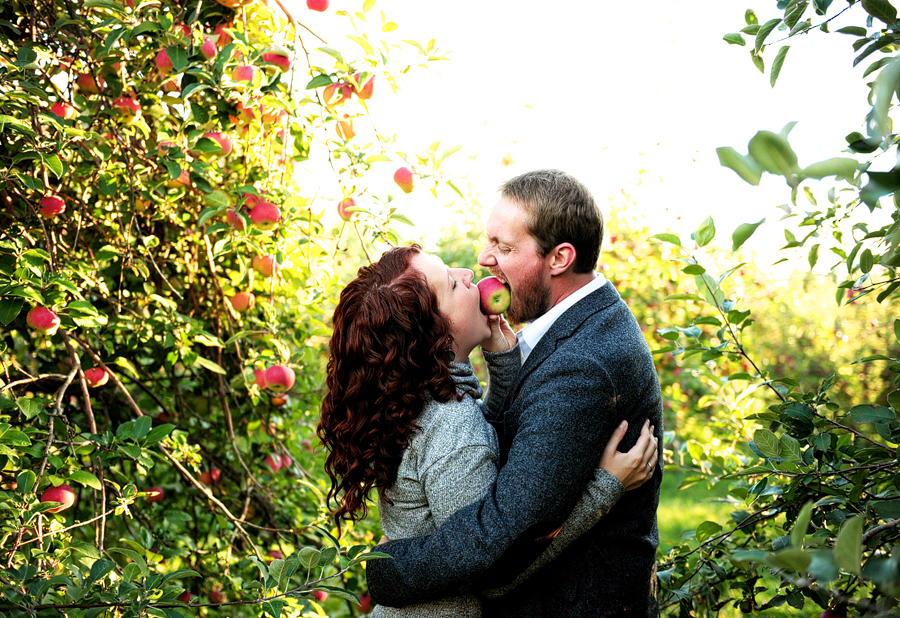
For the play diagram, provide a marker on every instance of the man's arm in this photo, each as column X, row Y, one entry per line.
column 567, row 415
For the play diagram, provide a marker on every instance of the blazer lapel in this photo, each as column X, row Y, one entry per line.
column 564, row 327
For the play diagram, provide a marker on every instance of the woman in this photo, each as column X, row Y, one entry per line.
column 403, row 413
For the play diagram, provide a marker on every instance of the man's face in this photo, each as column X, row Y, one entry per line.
column 511, row 253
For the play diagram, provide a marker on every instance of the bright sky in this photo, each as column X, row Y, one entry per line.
column 606, row 88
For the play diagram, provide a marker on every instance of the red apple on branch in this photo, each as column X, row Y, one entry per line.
column 96, row 376
column 88, row 85
column 208, row 477
column 278, row 56
column 42, row 320
column 365, row 85
column 344, row 128
column 336, row 94
column 244, row 74
column 266, row 265
column 163, row 62
column 51, row 206
column 279, row 378
column 208, row 48
column 63, row 110
column 344, row 212
column 265, row 216
column 243, row 301
column 129, row 109
column 156, row 494
column 274, row 463
column 317, row 5
column 223, row 140
column 63, row 493
column 405, row 179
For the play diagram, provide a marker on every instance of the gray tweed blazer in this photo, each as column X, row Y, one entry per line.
column 590, row 371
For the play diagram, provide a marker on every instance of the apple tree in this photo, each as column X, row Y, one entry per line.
column 176, row 180
column 812, row 467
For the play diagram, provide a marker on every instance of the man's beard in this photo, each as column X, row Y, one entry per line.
column 530, row 300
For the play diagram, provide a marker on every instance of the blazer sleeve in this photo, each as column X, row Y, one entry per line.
column 601, row 494
column 567, row 413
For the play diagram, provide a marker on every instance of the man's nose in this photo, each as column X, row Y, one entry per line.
column 486, row 257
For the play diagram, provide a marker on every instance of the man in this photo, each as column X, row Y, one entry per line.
column 586, row 367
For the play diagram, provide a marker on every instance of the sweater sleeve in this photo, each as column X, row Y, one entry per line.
column 565, row 416
column 502, row 369
column 598, row 498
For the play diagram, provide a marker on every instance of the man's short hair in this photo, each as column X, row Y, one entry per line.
column 560, row 209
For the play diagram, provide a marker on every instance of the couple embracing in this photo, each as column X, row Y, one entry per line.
column 538, row 498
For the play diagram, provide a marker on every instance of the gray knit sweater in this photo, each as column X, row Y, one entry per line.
column 451, row 462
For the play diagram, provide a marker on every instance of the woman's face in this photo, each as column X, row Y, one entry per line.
column 458, row 300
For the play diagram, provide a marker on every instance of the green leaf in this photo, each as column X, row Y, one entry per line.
column 777, row 64
column 883, row 10
column 367, row 6
column 750, row 17
column 801, row 524
column 201, row 115
column 86, row 479
column 389, row 27
column 734, row 38
column 744, row 166
column 852, row 30
column 706, row 530
column 742, row 233
column 758, row 61
column 158, row 433
column 178, row 56
column 210, row 365
column 767, row 443
column 897, row 330
column 883, row 95
column 706, row 232
column 842, row 168
column 866, row 260
column 10, row 309
column 367, row 47
column 669, row 238
column 26, row 480
column 309, row 557
column 813, row 255
column 142, row 426
column 53, row 164
column 318, row 81
column 693, row 269
column 792, row 559
column 871, row 414
column 135, row 557
column 790, row 449
column 848, row 546
column 29, row 406
column 764, row 31
column 14, row 437
column 774, row 154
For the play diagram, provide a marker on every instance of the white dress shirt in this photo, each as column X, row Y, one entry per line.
column 532, row 333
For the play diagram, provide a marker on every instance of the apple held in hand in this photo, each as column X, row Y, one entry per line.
column 495, row 296
column 63, row 494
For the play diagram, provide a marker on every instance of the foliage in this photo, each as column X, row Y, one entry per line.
column 158, row 233
column 812, row 465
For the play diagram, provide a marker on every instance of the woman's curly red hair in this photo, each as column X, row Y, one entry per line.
column 390, row 345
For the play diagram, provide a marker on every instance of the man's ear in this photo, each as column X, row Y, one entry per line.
column 560, row 258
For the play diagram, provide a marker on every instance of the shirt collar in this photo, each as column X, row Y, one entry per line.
column 533, row 332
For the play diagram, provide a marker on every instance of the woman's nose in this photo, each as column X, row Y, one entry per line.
column 466, row 275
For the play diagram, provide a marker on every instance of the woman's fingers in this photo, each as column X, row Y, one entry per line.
column 613, row 445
